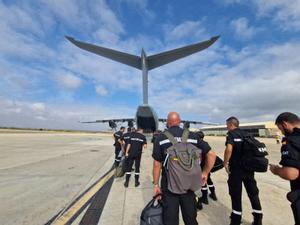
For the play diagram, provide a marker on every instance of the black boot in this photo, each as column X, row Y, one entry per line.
column 137, row 183
column 204, row 198
column 235, row 219
column 199, row 204
column 257, row 218
column 212, row 194
column 126, row 183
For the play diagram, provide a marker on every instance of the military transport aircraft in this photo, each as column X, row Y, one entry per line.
column 145, row 117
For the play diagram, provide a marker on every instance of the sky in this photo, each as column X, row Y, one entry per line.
column 252, row 72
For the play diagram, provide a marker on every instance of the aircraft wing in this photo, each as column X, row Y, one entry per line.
column 122, row 57
column 198, row 122
column 109, row 120
column 190, row 122
column 163, row 58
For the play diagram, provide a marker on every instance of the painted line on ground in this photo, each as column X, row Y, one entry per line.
column 81, row 202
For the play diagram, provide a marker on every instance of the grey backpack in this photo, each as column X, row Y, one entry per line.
column 182, row 165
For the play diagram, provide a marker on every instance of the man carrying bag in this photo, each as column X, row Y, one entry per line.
column 172, row 194
column 152, row 214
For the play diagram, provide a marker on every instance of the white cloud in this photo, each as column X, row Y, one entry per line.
column 100, row 90
column 230, row 1
column 186, row 29
column 106, row 36
column 256, row 88
column 57, row 116
column 242, row 28
column 66, row 10
column 107, row 18
column 285, row 13
column 251, row 83
column 20, row 19
column 38, row 107
column 142, row 7
column 19, row 45
column 68, row 80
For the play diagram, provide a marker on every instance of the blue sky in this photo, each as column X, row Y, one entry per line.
column 252, row 71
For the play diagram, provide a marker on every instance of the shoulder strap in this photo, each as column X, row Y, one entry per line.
column 185, row 135
column 170, row 137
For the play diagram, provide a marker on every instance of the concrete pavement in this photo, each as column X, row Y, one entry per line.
column 41, row 173
column 124, row 206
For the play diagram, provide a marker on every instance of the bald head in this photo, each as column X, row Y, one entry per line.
column 173, row 119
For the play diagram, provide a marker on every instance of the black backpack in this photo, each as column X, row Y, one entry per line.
column 254, row 155
column 152, row 213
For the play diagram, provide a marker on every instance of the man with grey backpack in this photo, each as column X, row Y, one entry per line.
column 177, row 154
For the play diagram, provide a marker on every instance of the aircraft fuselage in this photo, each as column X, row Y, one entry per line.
column 146, row 118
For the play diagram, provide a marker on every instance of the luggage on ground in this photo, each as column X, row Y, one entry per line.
column 152, row 214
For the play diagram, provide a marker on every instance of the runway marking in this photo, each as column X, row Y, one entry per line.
column 81, row 202
column 94, row 212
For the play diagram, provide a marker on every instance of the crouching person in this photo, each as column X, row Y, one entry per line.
column 171, row 195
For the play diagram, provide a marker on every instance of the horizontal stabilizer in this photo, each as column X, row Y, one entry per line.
column 125, row 58
column 163, row 58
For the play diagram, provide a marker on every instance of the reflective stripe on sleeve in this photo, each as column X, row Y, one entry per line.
column 194, row 141
column 164, row 142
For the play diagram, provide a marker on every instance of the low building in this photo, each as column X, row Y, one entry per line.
column 259, row 129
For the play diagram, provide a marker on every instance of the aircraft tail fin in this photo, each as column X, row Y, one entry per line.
column 163, row 58
column 125, row 58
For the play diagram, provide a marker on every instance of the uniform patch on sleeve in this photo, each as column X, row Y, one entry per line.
column 237, row 140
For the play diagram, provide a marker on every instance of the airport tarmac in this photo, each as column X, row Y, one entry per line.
column 42, row 172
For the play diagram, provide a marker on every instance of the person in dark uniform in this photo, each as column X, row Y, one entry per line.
column 118, row 144
column 172, row 201
column 133, row 154
column 155, row 134
column 238, row 176
column 289, row 124
column 125, row 140
column 209, row 185
column 126, row 137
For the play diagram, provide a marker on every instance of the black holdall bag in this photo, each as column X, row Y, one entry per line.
column 152, row 214
column 254, row 155
column 120, row 169
column 218, row 165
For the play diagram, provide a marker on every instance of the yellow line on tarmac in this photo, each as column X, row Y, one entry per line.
column 66, row 216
